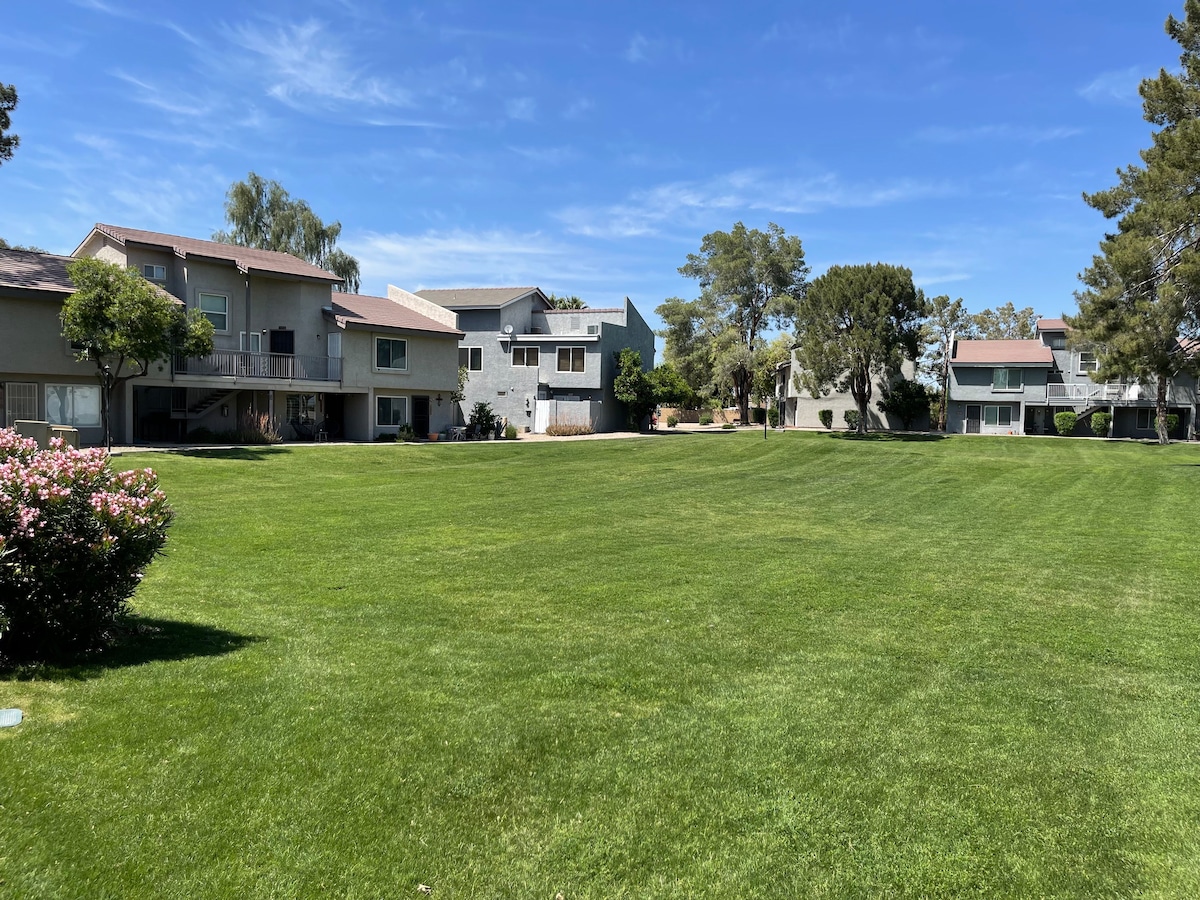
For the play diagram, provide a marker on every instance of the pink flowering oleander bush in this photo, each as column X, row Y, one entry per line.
column 75, row 537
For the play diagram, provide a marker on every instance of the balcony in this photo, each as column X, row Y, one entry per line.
column 1102, row 393
column 274, row 366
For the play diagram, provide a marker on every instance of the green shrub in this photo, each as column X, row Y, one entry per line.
column 706, row 418
column 758, row 415
column 1100, row 423
column 1172, row 422
column 1064, row 422
column 851, row 417
column 826, row 417
column 385, row 438
column 773, row 416
column 672, row 421
column 482, row 416
column 729, row 426
column 510, row 432
column 257, row 428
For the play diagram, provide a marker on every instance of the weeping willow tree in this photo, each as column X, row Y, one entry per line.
column 262, row 215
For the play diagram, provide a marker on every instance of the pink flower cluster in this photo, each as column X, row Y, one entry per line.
column 72, row 496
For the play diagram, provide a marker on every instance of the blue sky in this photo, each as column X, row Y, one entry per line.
column 587, row 147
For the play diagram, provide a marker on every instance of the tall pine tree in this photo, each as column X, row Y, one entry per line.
column 1141, row 305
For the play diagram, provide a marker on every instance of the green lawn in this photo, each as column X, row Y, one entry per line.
column 678, row 666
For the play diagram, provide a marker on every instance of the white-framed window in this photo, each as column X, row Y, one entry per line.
column 215, row 308
column 525, row 356
column 391, row 411
column 20, row 402
column 302, row 407
column 154, row 273
column 77, row 405
column 1147, row 419
column 471, row 357
column 1000, row 416
column 251, row 342
column 570, row 359
column 1088, row 362
column 391, row 353
column 593, row 329
column 1006, row 379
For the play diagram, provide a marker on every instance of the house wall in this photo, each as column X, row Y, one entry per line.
column 972, row 385
column 802, row 410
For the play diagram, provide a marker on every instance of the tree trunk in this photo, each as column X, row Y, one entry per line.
column 743, row 388
column 941, row 423
column 1161, row 409
column 860, row 390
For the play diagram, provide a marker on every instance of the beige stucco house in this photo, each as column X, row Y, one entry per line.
column 285, row 344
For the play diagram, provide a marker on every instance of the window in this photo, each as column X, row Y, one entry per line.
column 470, row 358
column 215, row 308
column 155, row 273
column 1006, row 379
column 1147, row 419
column 391, row 410
column 391, row 353
column 254, row 344
column 73, row 404
column 570, row 359
column 20, row 401
column 593, row 329
column 997, row 415
column 302, row 407
column 525, row 356
column 1088, row 362
column 1057, row 341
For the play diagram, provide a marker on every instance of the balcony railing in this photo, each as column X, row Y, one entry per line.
column 243, row 364
column 1102, row 393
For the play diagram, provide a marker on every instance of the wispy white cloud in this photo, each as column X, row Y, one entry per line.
column 643, row 49
column 168, row 100
column 688, row 203
column 305, row 62
column 548, row 156
column 578, row 108
column 636, row 51
column 523, row 109
column 1119, row 86
column 462, row 258
column 1000, row 132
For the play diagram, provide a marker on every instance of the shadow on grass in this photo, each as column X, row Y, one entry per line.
column 250, row 453
column 143, row 641
column 882, row 436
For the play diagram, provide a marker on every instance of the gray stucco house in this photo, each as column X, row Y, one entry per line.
column 1016, row 387
column 285, row 344
column 536, row 365
column 801, row 409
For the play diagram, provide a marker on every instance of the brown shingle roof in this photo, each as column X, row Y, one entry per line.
column 1051, row 325
column 245, row 258
column 462, row 298
column 33, row 271
column 1003, row 353
column 360, row 310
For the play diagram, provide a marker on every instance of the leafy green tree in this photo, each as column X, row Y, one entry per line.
column 946, row 320
column 906, row 400
column 694, row 332
column 5, row 245
column 766, row 363
column 750, row 281
column 1006, row 323
column 264, row 216
column 571, row 302
column 856, row 324
column 671, row 389
column 8, row 102
column 634, row 387
column 1141, row 304
column 116, row 317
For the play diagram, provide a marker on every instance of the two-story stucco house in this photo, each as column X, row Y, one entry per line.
column 285, row 344
column 1017, row 387
column 536, row 365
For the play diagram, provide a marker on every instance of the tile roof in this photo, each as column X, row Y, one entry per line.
column 246, row 259
column 1003, row 353
column 1051, row 325
column 586, row 309
column 454, row 298
column 380, row 312
column 33, row 271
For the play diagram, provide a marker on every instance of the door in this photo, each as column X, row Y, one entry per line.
column 973, row 416
column 282, row 342
column 420, row 416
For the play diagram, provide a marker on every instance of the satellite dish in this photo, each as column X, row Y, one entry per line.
column 508, row 329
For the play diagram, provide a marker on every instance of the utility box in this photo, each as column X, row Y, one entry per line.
column 39, row 431
column 69, row 435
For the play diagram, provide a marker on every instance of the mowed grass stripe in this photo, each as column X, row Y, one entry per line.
column 678, row 666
